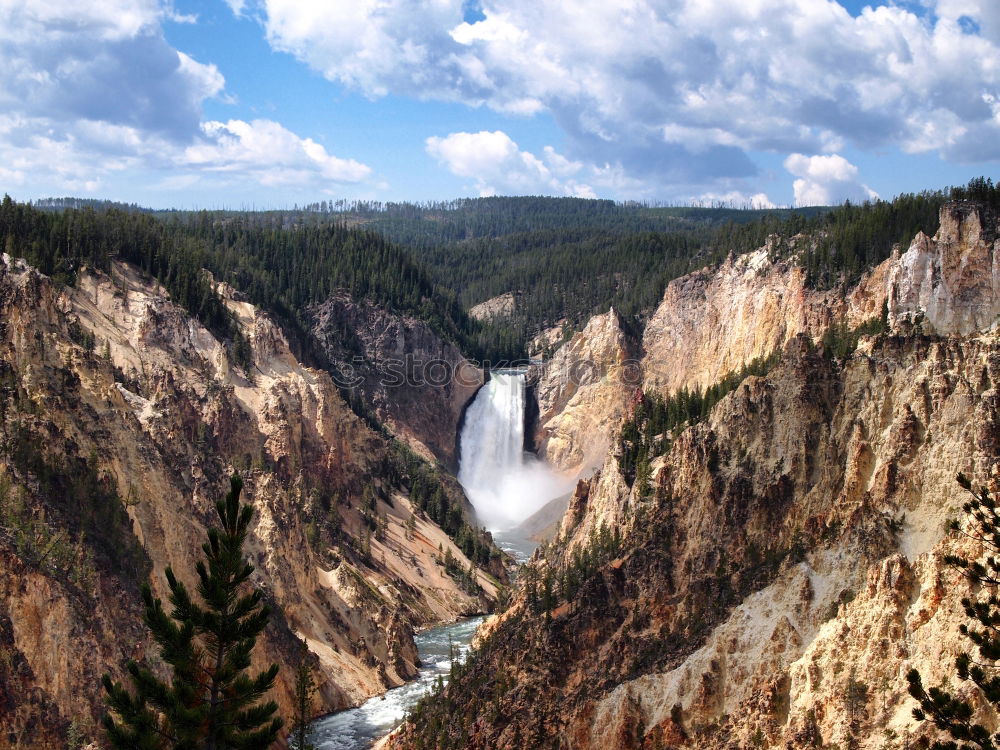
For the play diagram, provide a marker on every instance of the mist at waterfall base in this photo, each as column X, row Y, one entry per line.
column 505, row 483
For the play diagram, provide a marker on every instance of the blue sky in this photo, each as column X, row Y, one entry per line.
column 267, row 103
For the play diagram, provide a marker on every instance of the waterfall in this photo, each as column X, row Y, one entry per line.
column 504, row 483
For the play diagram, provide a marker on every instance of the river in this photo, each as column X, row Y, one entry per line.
column 506, row 485
column 358, row 728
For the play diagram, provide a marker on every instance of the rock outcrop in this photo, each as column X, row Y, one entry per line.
column 546, row 341
column 501, row 306
column 810, row 511
column 715, row 321
column 583, row 393
column 112, row 393
column 950, row 284
column 417, row 384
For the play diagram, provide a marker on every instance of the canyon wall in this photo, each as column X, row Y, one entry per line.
column 784, row 567
column 416, row 383
column 112, row 392
column 804, row 533
column 583, row 393
column 950, row 284
column 715, row 321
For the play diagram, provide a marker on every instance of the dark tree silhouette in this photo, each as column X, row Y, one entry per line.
column 305, row 690
column 947, row 712
column 210, row 703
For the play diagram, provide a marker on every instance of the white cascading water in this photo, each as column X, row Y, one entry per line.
column 505, row 484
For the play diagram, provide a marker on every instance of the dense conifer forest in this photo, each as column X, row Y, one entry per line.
column 282, row 270
column 565, row 273
column 566, row 259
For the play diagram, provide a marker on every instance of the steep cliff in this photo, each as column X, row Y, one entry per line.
column 805, row 525
column 417, row 384
column 714, row 321
column 784, row 569
column 121, row 419
column 950, row 284
column 583, row 393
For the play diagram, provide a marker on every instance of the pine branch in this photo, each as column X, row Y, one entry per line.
column 211, row 702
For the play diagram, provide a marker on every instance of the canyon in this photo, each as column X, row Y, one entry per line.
column 110, row 385
column 417, row 383
column 779, row 551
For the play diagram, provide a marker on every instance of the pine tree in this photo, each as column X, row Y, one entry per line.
column 210, row 703
column 948, row 713
column 305, row 689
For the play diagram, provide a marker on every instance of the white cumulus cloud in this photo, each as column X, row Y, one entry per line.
column 499, row 166
column 270, row 152
column 94, row 90
column 679, row 92
column 826, row 180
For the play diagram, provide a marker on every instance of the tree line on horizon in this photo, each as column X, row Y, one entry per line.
column 565, row 259
column 283, row 271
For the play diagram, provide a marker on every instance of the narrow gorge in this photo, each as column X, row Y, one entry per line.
column 506, row 484
column 500, row 375
column 113, row 393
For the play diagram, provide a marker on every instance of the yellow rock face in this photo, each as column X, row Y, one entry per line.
column 583, row 394
column 790, row 552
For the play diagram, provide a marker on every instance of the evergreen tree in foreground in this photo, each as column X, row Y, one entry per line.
column 210, row 703
column 953, row 714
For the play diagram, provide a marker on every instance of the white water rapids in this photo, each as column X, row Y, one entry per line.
column 504, row 483
column 359, row 728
